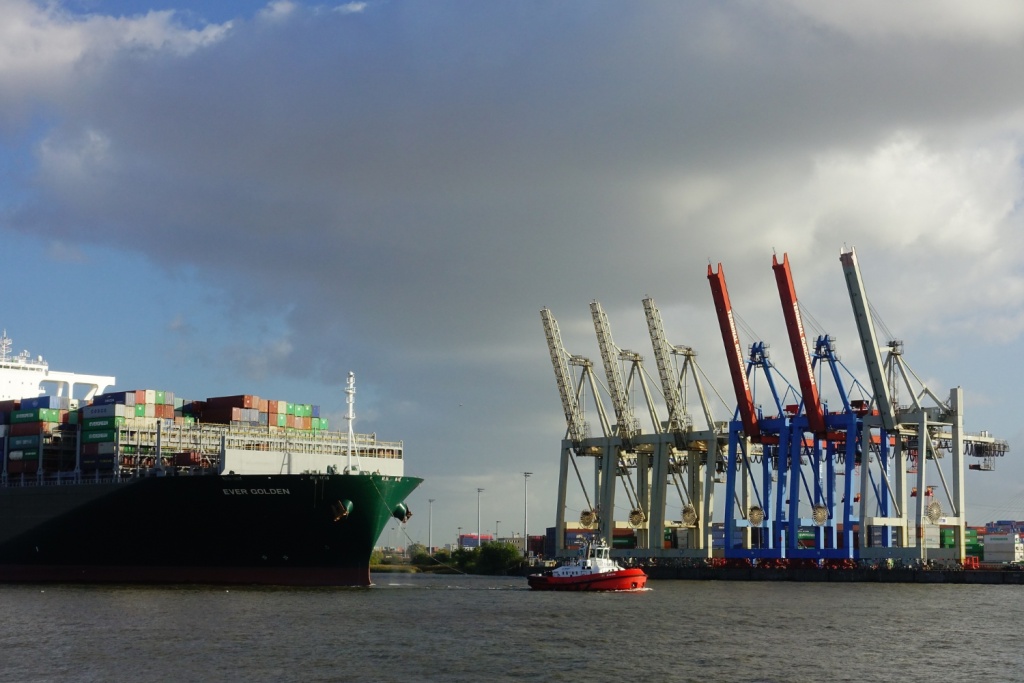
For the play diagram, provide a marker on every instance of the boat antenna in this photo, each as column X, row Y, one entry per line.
column 350, row 399
column 5, row 347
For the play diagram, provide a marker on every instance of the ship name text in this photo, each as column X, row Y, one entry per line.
column 256, row 492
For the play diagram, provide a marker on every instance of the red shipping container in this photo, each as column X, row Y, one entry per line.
column 240, row 401
column 221, row 414
column 29, row 428
column 187, row 458
column 22, row 466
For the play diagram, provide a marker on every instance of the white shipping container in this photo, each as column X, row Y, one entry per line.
column 1007, row 539
column 112, row 410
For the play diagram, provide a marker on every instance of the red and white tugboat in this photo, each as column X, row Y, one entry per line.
column 592, row 570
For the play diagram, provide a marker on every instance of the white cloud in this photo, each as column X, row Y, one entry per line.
column 278, row 10
column 351, row 7
column 43, row 42
column 998, row 21
column 72, row 162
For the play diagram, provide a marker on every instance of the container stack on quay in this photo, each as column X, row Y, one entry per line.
column 41, row 434
column 1003, row 540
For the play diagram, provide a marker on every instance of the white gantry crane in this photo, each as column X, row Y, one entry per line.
column 687, row 457
column 626, row 451
column 577, row 441
column 915, row 438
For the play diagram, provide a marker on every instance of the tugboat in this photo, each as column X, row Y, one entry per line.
column 592, row 570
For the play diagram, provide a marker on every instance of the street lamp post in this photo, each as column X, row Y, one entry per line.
column 479, row 538
column 496, row 534
column 430, row 526
column 526, row 513
column 460, row 538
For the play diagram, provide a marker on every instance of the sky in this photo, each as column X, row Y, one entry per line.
column 238, row 197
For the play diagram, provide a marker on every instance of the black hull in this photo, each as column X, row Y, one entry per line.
column 232, row 529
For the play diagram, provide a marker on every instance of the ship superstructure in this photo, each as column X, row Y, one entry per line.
column 23, row 376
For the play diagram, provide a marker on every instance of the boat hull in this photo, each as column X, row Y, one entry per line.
column 230, row 529
column 621, row 580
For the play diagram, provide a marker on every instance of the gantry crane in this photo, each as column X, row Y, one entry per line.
column 625, row 450
column 686, row 456
column 754, row 440
column 816, row 442
column 914, row 438
column 577, row 441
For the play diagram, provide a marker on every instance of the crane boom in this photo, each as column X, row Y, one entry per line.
column 798, row 342
column 616, row 385
column 663, row 358
column 868, row 340
column 734, row 352
column 559, row 359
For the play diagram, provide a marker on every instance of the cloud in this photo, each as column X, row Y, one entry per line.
column 997, row 21
column 276, row 11
column 43, row 47
column 404, row 188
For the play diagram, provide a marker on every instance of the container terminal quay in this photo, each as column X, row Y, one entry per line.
column 867, row 484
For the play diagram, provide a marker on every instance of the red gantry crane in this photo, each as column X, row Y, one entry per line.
column 734, row 353
column 798, row 342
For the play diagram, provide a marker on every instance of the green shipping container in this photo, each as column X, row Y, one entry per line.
column 140, row 410
column 99, row 436
column 16, row 443
column 102, row 422
column 23, row 454
column 36, row 415
column 160, row 398
column 278, row 420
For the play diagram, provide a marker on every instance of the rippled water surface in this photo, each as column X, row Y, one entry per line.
column 459, row 628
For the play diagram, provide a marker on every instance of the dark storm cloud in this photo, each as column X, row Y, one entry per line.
column 412, row 182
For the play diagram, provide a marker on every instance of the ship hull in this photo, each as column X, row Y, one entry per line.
column 230, row 529
column 621, row 580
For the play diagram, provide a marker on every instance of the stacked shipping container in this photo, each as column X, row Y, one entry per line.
column 39, row 433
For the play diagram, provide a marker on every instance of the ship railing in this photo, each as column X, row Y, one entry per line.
column 57, row 479
column 206, row 438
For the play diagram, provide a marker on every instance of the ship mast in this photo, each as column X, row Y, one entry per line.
column 350, row 399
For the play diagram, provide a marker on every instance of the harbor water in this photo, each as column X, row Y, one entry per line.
column 469, row 628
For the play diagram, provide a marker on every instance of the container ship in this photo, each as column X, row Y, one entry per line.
column 145, row 487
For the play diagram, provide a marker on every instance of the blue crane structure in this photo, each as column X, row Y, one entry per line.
column 754, row 443
column 805, row 481
column 796, row 508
